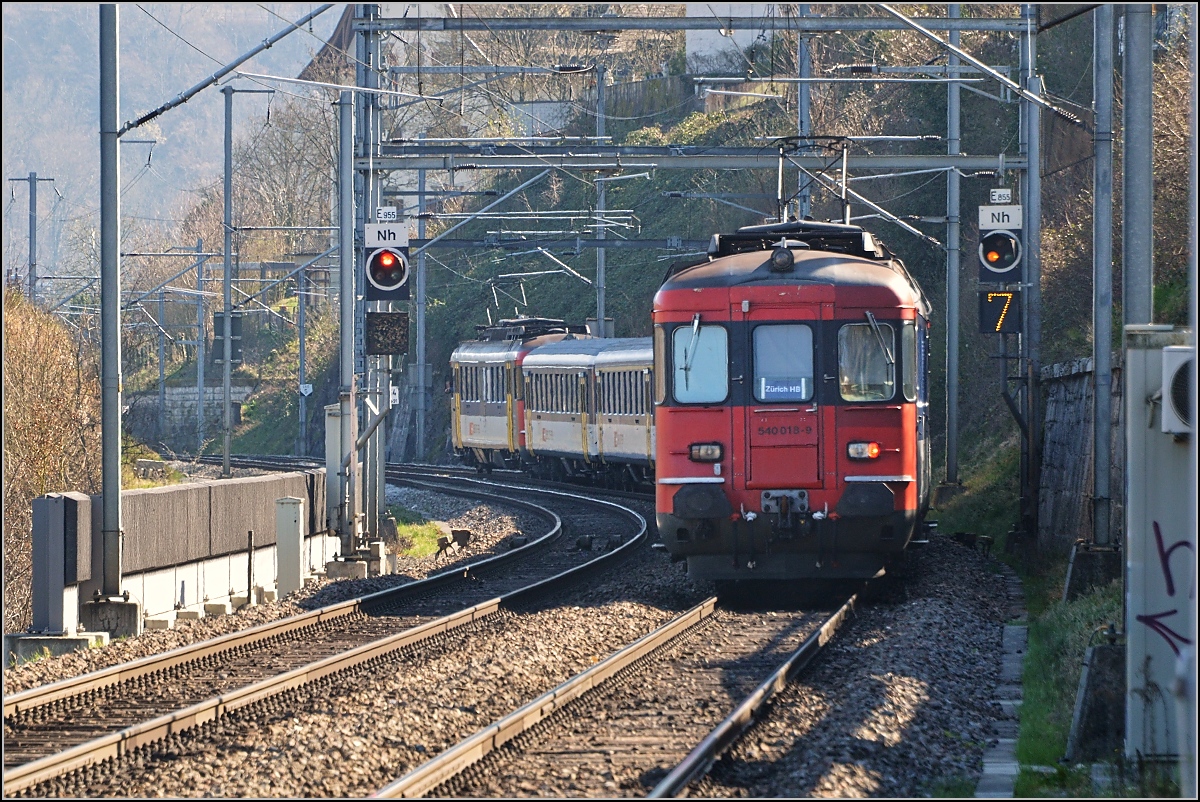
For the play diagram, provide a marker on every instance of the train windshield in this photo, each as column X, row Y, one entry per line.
column 866, row 367
column 700, row 358
column 783, row 362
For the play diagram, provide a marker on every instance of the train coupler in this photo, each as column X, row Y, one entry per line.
column 790, row 511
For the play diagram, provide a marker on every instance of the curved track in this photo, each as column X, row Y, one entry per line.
column 117, row 711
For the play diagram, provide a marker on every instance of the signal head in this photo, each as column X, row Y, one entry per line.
column 387, row 275
column 999, row 251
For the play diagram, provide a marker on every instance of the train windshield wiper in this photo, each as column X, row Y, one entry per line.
column 689, row 353
column 887, row 352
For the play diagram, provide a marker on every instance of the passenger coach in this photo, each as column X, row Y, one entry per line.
column 588, row 410
column 791, row 391
column 537, row 395
column 487, row 408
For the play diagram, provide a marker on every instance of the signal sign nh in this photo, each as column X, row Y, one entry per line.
column 994, row 217
column 385, row 235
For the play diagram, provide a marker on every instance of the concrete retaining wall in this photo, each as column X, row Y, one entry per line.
column 217, row 579
column 188, row 543
column 1065, row 498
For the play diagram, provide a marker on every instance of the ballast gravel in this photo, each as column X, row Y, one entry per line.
column 901, row 701
column 490, row 524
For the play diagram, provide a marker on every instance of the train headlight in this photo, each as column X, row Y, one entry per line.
column 863, row 450
column 705, row 452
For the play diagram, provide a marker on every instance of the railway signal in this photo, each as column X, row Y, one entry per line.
column 999, row 255
column 387, row 275
column 1000, row 244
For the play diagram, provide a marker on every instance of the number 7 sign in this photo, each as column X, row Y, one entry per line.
column 1000, row 312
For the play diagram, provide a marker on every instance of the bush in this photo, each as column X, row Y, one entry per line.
column 51, row 433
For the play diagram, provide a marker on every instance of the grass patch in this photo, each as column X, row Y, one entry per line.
column 131, row 452
column 1063, row 781
column 417, row 536
column 1058, row 637
column 991, row 501
column 953, row 788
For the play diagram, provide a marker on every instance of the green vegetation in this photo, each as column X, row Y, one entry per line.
column 417, row 536
column 131, row 452
column 953, row 788
column 990, row 502
column 1059, row 634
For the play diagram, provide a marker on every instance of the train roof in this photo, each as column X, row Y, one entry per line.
column 824, row 253
column 586, row 353
column 486, row 351
column 526, row 328
column 625, row 352
column 811, row 267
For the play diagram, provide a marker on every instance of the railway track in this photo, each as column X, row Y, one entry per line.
column 72, row 725
column 653, row 716
column 503, row 476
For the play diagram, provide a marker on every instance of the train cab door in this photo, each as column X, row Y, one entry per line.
column 456, row 406
column 780, row 421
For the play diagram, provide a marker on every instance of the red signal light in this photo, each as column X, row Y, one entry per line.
column 387, row 274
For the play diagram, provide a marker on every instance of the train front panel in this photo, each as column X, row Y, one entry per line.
column 786, row 418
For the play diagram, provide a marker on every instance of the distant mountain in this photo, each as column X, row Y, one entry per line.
column 51, row 104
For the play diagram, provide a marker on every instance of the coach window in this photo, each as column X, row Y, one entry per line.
column 908, row 349
column 783, row 362
column 700, row 357
column 866, row 361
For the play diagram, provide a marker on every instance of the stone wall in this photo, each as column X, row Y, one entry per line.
column 1065, row 499
column 179, row 417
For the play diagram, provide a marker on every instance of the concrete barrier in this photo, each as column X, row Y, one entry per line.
column 184, row 547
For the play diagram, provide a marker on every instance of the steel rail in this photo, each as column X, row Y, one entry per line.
column 429, row 775
column 96, row 680
column 125, row 741
column 725, row 734
column 74, row 686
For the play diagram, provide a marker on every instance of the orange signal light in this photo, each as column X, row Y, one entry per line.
column 993, row 257
column 873, row 450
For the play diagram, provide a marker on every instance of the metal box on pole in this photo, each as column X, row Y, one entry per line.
column 1160, row 518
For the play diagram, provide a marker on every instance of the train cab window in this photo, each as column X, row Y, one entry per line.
column 908, row 351
column 700, row 357
column 783, row 362
column 660, row 365
column 866, row 361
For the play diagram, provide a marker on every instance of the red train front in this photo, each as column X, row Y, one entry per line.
column 791, row 389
